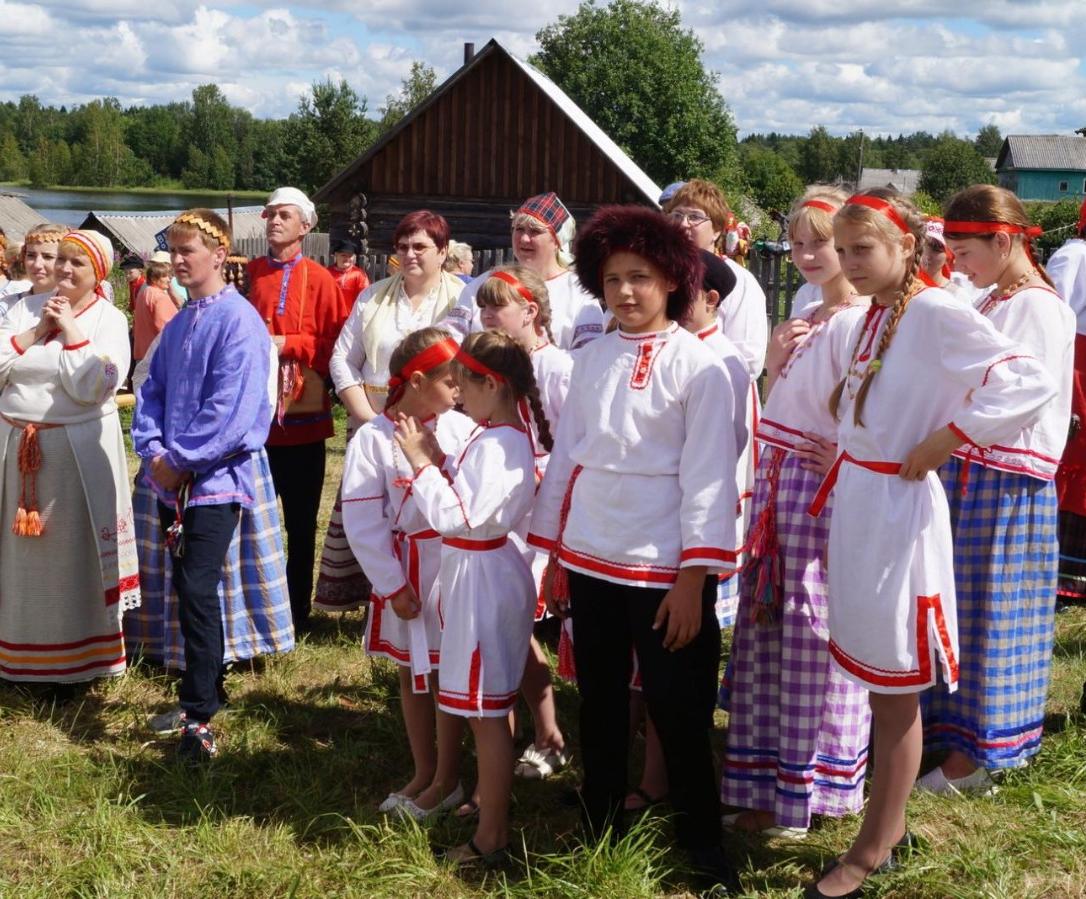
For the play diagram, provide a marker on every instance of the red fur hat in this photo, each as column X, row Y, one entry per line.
column 645, row 233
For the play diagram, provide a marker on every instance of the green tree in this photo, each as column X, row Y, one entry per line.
column 818, row 158
column 12, row 161
column 415, row 88
column 772, row 182
column 638, row 74
column 989, row 141
column 330, row 130
column 220, row 170
column 926, row 203
column 212, row 119
column 154, row 134
column 196, row 172
column 104, row 157
column 951, row 165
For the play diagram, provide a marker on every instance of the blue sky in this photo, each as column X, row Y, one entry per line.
column 784, row 65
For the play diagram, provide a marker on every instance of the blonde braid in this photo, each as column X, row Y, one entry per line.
column 908, row 291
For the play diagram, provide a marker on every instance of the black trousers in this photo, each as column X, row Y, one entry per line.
column 196, row 575
column 298, row 475
column 679, row 688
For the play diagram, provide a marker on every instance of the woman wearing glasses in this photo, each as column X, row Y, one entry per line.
column 701, row 209
column 542, row 229
column 419, row 295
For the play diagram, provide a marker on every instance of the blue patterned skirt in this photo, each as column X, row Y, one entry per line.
column 252, row 591
column 1006, row 557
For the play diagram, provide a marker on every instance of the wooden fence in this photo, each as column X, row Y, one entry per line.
column 775, row 272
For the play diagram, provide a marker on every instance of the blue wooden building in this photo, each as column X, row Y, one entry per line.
column 1043, row 166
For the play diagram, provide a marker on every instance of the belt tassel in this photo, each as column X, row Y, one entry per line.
column 27, row 519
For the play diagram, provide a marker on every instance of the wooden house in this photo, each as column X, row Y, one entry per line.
column 1043, row 166
column 496, row 132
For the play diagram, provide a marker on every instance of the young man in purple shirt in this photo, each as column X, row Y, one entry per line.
column 202, row 413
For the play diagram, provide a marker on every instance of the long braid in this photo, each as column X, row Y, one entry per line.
column 542, row 426
column 907, row 292
column 838, row 391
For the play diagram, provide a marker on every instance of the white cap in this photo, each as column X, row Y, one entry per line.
column 160, row 256
column 291, row 196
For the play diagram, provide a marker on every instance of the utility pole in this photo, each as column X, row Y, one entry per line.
column 860, row 170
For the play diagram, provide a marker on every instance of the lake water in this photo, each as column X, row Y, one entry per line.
column 70, row 207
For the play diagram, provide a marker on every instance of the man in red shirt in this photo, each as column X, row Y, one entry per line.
column 132, row 266
column 351, row 279
column 304, row 311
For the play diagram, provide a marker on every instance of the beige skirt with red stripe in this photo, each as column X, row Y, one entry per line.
column 55, row 623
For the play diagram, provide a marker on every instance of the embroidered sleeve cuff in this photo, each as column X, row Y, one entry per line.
column 15, row 346
column 706, row 555
column 542, row 543
column 958, row 432
column 418, row 474
column 76, row 346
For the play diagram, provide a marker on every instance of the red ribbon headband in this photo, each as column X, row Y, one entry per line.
column 818, row 204
column 880, row 205
column 430, row 358
column 472, row 364
column 991, row 228
column 515, row 284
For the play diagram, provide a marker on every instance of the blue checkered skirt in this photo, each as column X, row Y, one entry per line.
column 252, row 591
column 1006, row 557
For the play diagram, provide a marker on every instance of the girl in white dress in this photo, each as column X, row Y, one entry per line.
column 399, row 553
column 485, row 593
column 514, row 300
column 924, row 373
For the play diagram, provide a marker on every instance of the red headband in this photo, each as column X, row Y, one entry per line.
column 818, row 204
column 1029, row 231
column 515, row 284
column 472, row 364
column 880, row 205
column 427, row 360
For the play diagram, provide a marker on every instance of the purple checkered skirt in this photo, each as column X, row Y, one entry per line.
column 798, row 731
column 1006, row 561
column 252, row 590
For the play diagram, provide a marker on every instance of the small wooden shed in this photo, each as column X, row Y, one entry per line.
column 496, row 132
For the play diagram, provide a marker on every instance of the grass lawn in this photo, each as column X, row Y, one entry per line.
column 92, row 804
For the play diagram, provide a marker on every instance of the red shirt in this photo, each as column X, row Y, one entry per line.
column 351, row 283
column 134, row 288
column 309, row 316
column 152, row 309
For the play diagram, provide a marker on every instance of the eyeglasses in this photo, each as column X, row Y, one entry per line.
column 417, row 248
column 694, row 218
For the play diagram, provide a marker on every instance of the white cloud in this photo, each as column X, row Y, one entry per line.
column 784, row 65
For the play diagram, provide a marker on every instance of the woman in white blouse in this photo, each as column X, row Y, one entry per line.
column 421, row 294
column 68, row 564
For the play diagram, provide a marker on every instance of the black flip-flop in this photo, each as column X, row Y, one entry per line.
column 499, row 858
column 647, row 801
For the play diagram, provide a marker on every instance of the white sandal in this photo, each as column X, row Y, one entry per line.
column 535, row 764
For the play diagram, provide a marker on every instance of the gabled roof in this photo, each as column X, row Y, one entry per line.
column 592, row 132
column 904, row 181
column 1042, row 151
column 135, row 231
column 16, row 218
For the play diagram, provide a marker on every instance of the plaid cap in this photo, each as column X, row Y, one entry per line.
column 548, row 209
